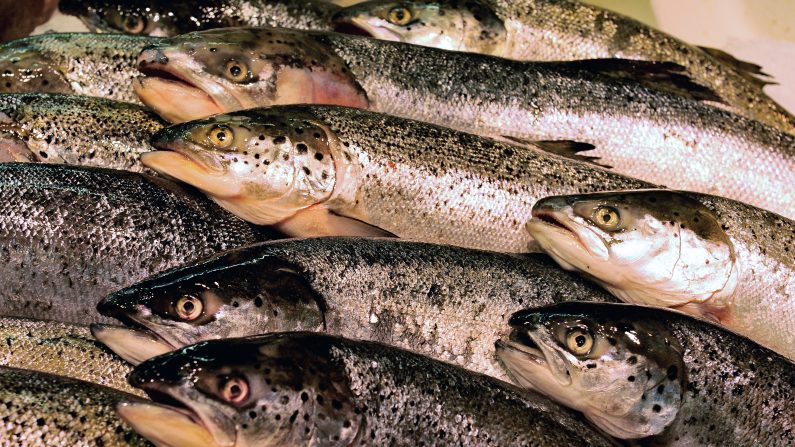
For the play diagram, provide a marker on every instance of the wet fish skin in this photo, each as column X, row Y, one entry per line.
column 708, row 256
column 61, row 349
column 553, row 30
column 446, row 302
column 41, row 410
column 76, row 130
column 644, row 132
column 71, row 235
column 350, row 392
column 75, row 63
column 171, row 18
column 733, row 391
column 404, row 177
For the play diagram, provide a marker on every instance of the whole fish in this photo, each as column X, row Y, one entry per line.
column 171, row 18
column 328, row 170
column 446, row 302
column 706, row 255
column 77, row 130
column 42, row 410
column 655, row 375
column 71, row 235
column 554, row 30
column 640, row 116
column 302, row 389
column 77, row 63
column 62, row 349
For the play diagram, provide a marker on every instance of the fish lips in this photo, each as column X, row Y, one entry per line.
column 359, row 26
column 548, row 224
column 134, row 344
column 525, row 355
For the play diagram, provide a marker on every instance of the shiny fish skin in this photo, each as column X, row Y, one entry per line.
column 732, row 391
column 72, row 235
column 652, row 135
column 352, row 393
column 61, row 349
column 78, row 63
column 553, row 30
column 447, row 302
column 76, row 130
column 412, row 179
column 171, row 18
column 41, row 410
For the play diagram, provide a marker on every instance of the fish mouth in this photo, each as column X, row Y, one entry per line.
column 170, row 420
column 361, row 27
column 529, row 363
column 134, row 344
column 564, row 241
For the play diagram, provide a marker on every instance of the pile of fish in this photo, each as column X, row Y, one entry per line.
column 432, row 222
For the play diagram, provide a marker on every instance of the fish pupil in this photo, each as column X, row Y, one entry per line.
column 235, row 71
column 234, row 390
column 188, row 307
column 580, row 340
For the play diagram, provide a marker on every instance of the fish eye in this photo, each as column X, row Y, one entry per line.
column 579, row 341
column 133, row 24
column 189, row 307
column 236, row 71
column 233, row 389
column 606, row 218
column 221, row 136
column 399, row 15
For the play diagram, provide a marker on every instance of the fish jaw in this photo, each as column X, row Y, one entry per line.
column 565, row 241
column 354, row 24
column 189, row 164
column 166, row 426
column 133, row 345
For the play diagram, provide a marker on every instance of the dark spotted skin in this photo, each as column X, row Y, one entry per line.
column 78, row 130
column 40, row 410
column 69, row 236
column 313, row 389
column 171, row 18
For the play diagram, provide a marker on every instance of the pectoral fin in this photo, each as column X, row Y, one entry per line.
column 564, row 148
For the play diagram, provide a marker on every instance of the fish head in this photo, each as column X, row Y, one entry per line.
column 138, row 17
column 263, row 391
column 203, row 73
column 655, row 247
column 24, row 68
column 447, row 24
column 233, row 294
column 262, row 165
column 625, row 374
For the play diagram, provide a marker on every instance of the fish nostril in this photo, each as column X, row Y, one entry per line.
column 161, row 58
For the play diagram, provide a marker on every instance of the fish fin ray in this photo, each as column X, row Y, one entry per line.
column 564, row 148
column 748, row 70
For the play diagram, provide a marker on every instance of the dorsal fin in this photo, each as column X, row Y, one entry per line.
column 662, row 76
column 564, row 148
column 747, row 70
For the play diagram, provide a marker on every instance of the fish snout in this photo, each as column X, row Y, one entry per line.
column 152, row 56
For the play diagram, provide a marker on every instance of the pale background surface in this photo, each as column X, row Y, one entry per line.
column 759, row 31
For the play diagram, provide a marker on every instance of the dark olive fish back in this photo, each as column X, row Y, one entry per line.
column 69, row 236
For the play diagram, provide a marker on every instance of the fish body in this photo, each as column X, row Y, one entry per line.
column 709, row 256
column 312, row 389
column 554, row 30
column 321, row 170
column 41, row 410
column 75, row 130
column 171, row 18
column 72, row 235
column 643, row 118
column 61, row 349
column 446, row 302
column 653, row 375
column 75, row 63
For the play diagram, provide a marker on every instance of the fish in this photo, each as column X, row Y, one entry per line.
column 75, row 130
column 102, row 65
column 312, row 389
column 334, row 171
column 42, row 410
column 61, row 349
column 709, row 256
column 446, row 302
column 553, row 30
column 72, row 235
column 171, row 18
column 653, row 375
column 645, row 119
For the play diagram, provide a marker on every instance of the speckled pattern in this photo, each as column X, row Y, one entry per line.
column 62, row 349
column 40, row 410
column 311, row 389
column 70, row 235
column 170, row 18
column 78, row 130
column 447, row 302
column 78, row 63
